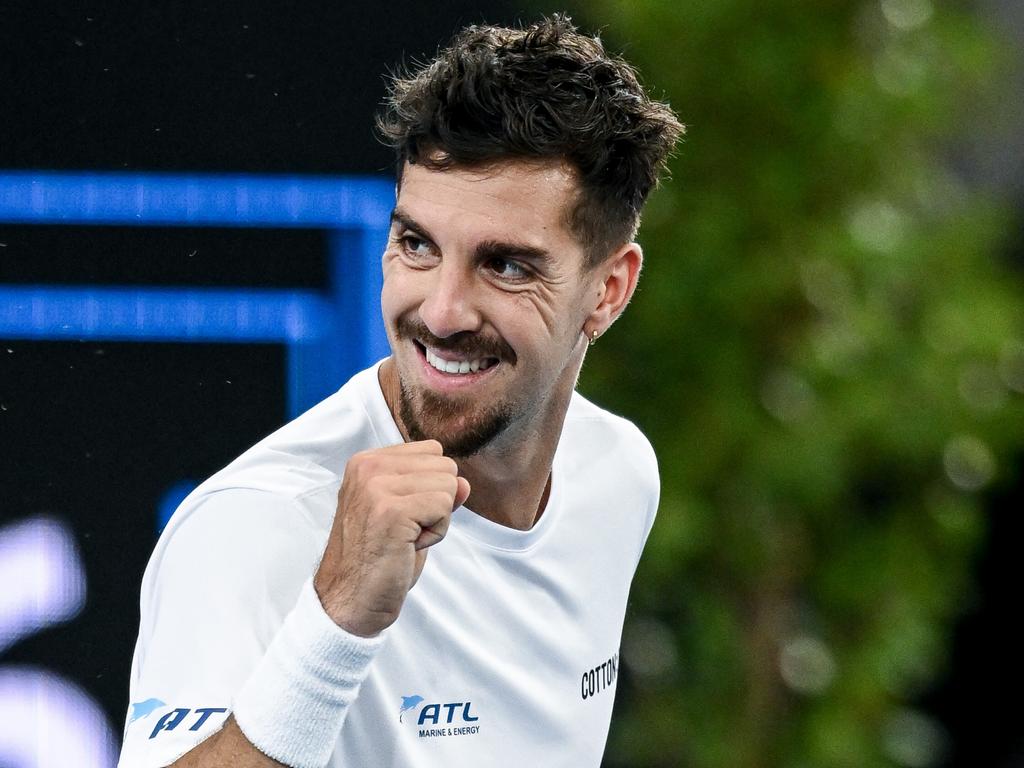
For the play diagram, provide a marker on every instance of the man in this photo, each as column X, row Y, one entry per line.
column 279, row 620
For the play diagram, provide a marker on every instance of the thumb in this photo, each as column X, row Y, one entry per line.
column 462, row 494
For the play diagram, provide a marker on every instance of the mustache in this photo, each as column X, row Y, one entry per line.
column 464, row 343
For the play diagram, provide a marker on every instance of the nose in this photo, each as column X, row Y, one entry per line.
column 450, row 305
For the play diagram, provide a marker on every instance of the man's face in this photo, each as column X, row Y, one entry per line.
column 484, row 300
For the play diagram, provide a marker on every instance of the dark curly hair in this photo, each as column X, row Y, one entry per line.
column 545, row 92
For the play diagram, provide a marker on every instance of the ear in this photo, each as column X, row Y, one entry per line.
column 615, row 281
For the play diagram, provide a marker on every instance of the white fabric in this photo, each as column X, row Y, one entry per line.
column 293, row 704
column 506, row 650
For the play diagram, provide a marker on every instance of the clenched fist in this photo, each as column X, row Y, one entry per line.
column 394, row 503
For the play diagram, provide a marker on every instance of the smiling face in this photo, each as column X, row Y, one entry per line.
column 485, row 300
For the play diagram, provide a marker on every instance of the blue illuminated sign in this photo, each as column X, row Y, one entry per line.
column 328, row 335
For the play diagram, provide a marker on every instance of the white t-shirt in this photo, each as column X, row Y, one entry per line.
column 506, row 650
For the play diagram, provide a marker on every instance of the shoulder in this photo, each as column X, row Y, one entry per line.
column 270, row 510
column 304, row 458
column 610, row 465
column 594, row 434
column 314, row 446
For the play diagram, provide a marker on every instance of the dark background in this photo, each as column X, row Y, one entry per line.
column 96, row 433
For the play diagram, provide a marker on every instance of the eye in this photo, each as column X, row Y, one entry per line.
column 416, row 248
column 507, row 269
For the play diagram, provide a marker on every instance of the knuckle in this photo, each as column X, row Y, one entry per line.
column 441, row 500
column 369, row 463
column 356, row 463
column 383, row 506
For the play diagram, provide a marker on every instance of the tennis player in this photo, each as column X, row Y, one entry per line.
column 431, row 566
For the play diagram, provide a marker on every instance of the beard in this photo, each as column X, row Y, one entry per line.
column 452, row 422
column 462, row 425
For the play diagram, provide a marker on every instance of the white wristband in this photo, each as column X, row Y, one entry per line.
column 293, row 704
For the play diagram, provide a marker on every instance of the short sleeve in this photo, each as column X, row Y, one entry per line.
column 640, row 464
column 222, row 578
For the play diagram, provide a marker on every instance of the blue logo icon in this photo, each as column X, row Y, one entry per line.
column 408, row 702
column 144, row 709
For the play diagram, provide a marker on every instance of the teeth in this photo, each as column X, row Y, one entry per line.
column 455, row 366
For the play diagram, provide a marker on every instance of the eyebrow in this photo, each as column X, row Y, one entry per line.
column 497, row 249
column 398, row 216
column 488, row 249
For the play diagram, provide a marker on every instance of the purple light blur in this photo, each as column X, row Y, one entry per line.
column 45, row 721
column 49, row 722
column 42, row 577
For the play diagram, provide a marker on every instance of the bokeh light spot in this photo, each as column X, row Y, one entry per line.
column 807, row 665
column 969, row 462
column 787, row 396
column 649, row 650
column 907, row 14
column 913, row 739
column 877, row 226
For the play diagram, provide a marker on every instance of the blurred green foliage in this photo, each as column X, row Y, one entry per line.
column 826, row 351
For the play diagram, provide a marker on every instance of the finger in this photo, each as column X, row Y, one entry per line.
column 364, row 466
column 417, row 446
column 462, row 494
column 425, row 509
column 401, row 463
column 421, row 559
column 422, row 482
column 430, row 536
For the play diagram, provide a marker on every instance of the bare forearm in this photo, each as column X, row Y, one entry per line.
column 227, row 747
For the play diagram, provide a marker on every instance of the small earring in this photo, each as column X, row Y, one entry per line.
column 593, row 337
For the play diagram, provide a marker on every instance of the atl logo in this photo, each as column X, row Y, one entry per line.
column 456, row 716
column 174, row 718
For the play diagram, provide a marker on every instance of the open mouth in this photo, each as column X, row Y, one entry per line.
column 459, row 366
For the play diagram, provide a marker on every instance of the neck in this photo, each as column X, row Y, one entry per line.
column 511, row 487
column 511, row 477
